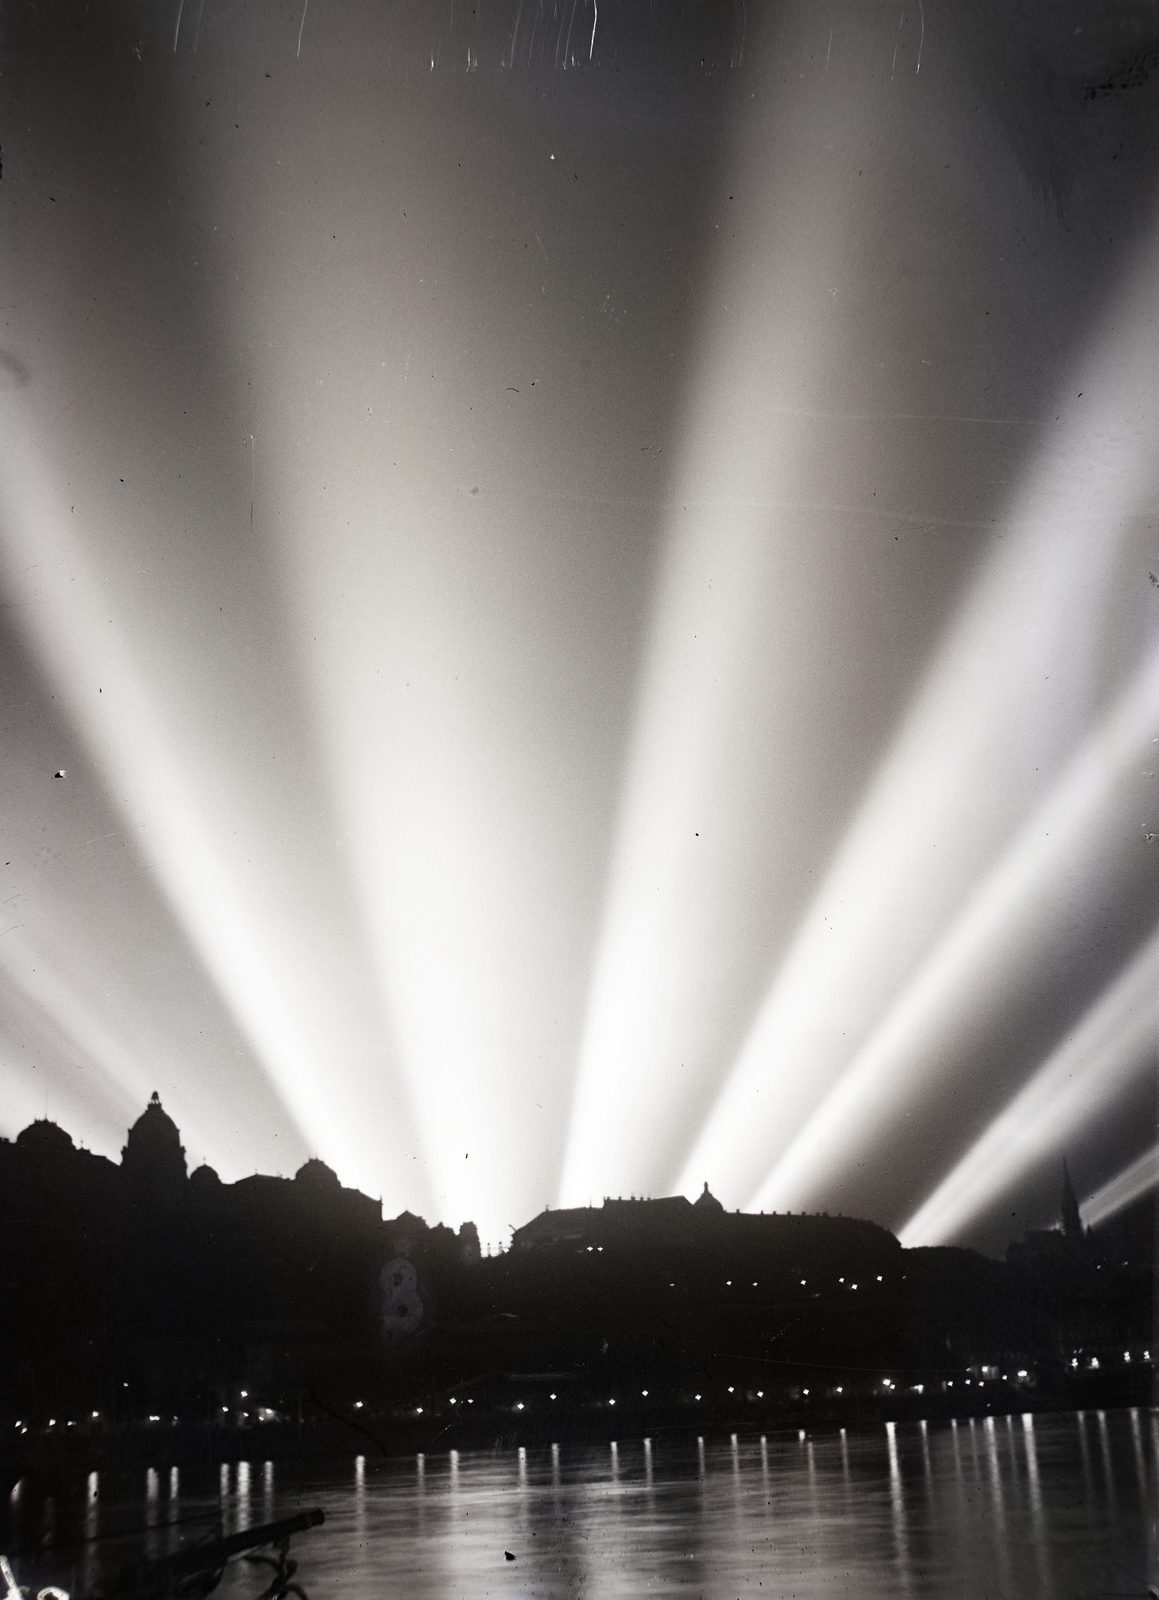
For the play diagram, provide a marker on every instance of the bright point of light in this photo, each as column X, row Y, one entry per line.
column 644, row 1391
column 452, row 1400
column 551, row 1397
column 611, row 1402
column 519, row 1405
column 245, row 1394
column 358, row 1405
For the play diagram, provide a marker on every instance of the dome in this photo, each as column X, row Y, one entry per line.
column 44, row 1138
column 707, row 1202
column 204, row 1178
column 153, row 1151
column 316, row 1174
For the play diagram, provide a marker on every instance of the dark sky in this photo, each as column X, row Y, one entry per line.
column 589, row 576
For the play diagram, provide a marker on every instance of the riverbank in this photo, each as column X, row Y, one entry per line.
column 320, row 1435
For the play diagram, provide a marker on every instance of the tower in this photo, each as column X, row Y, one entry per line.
column 153, row 1154
column 1071, row 1221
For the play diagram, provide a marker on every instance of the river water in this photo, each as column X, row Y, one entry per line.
column 1050, row 1506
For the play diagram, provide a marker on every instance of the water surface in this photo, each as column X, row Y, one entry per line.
column 1050, row 1506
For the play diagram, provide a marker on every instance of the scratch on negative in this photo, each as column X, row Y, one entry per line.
column 896, row 43
column 301, row 29
column 595, row 19
column 177, row 29
column 922, row 40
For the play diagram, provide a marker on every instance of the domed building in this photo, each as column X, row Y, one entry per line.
column 45, row 1141
column 315, row 1174
column 153, row 1154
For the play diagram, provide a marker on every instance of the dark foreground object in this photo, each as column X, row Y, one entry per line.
column 198, row 1570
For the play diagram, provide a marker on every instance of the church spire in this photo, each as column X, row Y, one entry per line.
column 1072, row 1225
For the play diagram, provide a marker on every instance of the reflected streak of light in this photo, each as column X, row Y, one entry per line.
column 1140, row 1466
column 1037, row 1509
column 360, row 1499
column 1005, row 924
column 243, row 1495
column 1081, row 1425
column 994, row 1467
column 1114, row 1040
column 897, row 1507
column 1108, row 1470
column 1123, row 1189
column 92, row 1528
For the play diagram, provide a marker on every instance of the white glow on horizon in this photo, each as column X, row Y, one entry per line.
column 241, row 940
column 720, row 687
column 124, row 1089
column 1003, row 704
column 1001, row 930
column 1121, row 1191
column 1101, row 1057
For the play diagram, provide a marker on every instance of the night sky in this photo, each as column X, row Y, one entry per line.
column 581, row 597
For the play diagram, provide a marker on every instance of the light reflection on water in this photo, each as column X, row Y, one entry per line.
column 1048, row 1507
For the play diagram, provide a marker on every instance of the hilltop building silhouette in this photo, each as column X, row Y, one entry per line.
column 1072, row 1226
column 1066, row 1241
column 153, row 1154
column 150, row 1292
